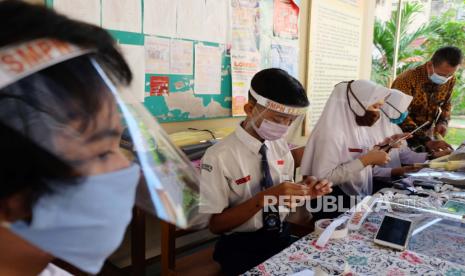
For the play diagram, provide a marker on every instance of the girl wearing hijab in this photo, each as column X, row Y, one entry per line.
column 394, row 113
column 341, row 147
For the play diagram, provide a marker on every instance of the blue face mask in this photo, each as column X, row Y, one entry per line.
column 400, row 119
column 83, row 223
column 437, row 79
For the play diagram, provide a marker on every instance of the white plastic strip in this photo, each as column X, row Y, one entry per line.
column 21, row 60
column 269, row 104
column 330, row 231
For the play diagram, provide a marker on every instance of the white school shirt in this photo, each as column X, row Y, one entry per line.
column 231, row 173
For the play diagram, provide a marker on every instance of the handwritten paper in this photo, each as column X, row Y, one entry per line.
column 160, row 17
column 157, row 55
column 190, row 19
column 215, row 23
column 83, row 10
column 207, row 78
column 182, row 57
column 122, row 15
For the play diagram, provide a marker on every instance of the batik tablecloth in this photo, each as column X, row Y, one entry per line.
column 437, row 250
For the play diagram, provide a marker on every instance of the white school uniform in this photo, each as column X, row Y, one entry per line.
column 384, row 128
column 337, row 141
column 231, row 173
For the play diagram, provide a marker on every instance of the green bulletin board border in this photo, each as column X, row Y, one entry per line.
column 156, row 104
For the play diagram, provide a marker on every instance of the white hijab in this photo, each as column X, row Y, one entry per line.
column 336, row 132
column 384, row 128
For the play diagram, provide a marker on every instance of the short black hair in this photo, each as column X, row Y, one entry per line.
column 450, row 54
column 25, row 165
column 277, row 85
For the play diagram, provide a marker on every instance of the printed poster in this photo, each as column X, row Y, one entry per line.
column 286, row 19
column 244, row 65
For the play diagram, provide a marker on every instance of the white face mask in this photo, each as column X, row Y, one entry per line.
column 83, row 223
column 437, row 79
column 270, row 130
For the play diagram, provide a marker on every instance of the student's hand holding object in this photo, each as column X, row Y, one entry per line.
column 375, row 157
column 318, row 187
column 307, row 189
column 391, row 141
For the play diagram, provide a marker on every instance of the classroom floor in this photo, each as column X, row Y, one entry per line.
column 196, row 261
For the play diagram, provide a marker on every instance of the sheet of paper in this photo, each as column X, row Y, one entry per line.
column 245, row 21
column 122, row 15
column 134, row 55
column 244, row 65
column 182, row 57
column 286, row 19
column 285, row 56
column 190, row 19
column 160, row 17
column 207, row 78
column 83, row 10
column 157, row 55
column 216, row 21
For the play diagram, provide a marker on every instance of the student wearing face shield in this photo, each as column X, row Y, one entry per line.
column 393, row 113
column 431, row 86
column 67, row 191
column 341, row 147
column 254, row 164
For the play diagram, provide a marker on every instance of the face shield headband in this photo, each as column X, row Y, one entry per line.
column 170, row 189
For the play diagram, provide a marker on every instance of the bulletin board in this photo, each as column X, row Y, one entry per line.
column 147, row 31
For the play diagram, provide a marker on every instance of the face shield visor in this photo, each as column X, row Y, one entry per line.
column 272, row 120
column 395, row 107
column 64, row 101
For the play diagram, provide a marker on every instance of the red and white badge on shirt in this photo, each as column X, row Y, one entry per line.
column 243, row 180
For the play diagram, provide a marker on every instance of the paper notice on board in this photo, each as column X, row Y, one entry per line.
column 216, row 21
column 84, row 10
column 190, row 19
column 134, row 55
column 157, row 55
column 207, row 78
column 285, row 57
column 159, row 86
column 245, row 29
column 160, row 17
column 244, row 65
column 286, row 19
column 182, row 57
column 122, row 15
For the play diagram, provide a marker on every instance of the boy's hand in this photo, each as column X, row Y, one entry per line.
column 288, row 189
column 288, row 193
column 318, row 187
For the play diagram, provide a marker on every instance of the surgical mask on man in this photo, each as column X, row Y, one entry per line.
column 269, row 130
column 83, row 223
column 437, row 79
